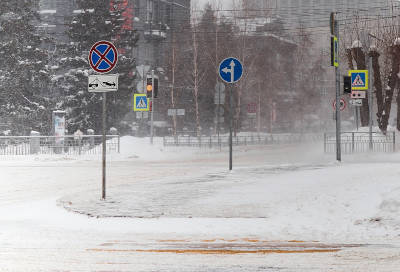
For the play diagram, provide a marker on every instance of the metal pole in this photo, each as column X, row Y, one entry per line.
column 103, row 192
column 144, row 81
column 337, row 76
column 370, row 103
column 230, row 126
column 152, row 107
column 219, row 108
column 357, row 116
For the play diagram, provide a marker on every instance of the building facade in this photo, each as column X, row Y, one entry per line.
column 153, row 19
column 315, row 13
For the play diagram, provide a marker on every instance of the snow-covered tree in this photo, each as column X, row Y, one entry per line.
column 95, row 20
column 23, row 71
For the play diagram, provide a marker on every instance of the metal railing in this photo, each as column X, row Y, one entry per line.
column 262, row 139
column 358, row 142
column 52, row 145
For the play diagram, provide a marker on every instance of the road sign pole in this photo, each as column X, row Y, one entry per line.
column 103, row 57
column 230, row 71
column 230, row 126
column 370, row 101
column 218, row 113
column 144, row 123
column 337, row 76
column 152, row 107
column 103, row 192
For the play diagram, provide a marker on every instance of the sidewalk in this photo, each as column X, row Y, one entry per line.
column 323, row 202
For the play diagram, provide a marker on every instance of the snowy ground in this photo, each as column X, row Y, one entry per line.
column 183, row 203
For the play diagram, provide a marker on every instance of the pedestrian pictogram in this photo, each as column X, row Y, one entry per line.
column 103, row 57
column 358, row 82
column 359, row 79
column 230, row 70
column 141, row 103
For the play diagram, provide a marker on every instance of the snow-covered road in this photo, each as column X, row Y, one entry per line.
column 257, row 210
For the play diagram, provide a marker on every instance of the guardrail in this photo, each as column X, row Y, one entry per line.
column 357, row 142
column 66, row 145
column 262, row 139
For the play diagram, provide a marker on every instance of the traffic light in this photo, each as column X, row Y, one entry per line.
column 155, row 87
column 334, row 51
column 347, row 84
column 150, row 87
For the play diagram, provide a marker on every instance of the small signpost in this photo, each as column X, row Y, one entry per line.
column 103, row 83
column 359, row 79
column 356, row 102
column 342, row 104
column 103, row 57
column 359, row 83
column 230, row 71
column 141, row 102
column 252, row 109
column 176, row 112
column 142, row 115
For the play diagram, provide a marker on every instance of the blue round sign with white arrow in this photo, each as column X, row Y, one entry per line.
column 230, row 70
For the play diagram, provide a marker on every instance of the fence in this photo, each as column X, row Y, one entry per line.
column 262, row 139
column 67, row 145
column 357, row 142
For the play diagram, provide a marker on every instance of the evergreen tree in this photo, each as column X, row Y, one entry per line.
column 96, row 20
column 24, row 71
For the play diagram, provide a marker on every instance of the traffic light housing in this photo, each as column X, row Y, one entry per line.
column 347, row 84
column 334, row 51
column 150, row 88
column 155, row 87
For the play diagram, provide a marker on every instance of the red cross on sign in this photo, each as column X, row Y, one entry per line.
column 103, row 57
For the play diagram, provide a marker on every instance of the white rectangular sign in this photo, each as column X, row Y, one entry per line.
column 59, row 128
column 173, row 112
column 356, row 102
column 103, row 83
column 142, row 115
column 358, row 94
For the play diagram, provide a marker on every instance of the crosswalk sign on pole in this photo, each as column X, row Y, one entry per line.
column 141, row 102
column 359, row 79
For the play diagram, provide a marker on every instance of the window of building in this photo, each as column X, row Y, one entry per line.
column 168, row 14
column 136, row 8
column 150, row 10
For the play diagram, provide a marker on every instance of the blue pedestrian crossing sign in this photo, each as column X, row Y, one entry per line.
column 230, row 70
column 359, row 79
column 141, row 102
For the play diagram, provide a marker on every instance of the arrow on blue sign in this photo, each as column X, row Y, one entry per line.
column 230, row 70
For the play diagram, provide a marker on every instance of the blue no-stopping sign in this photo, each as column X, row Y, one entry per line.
column 103, row 57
